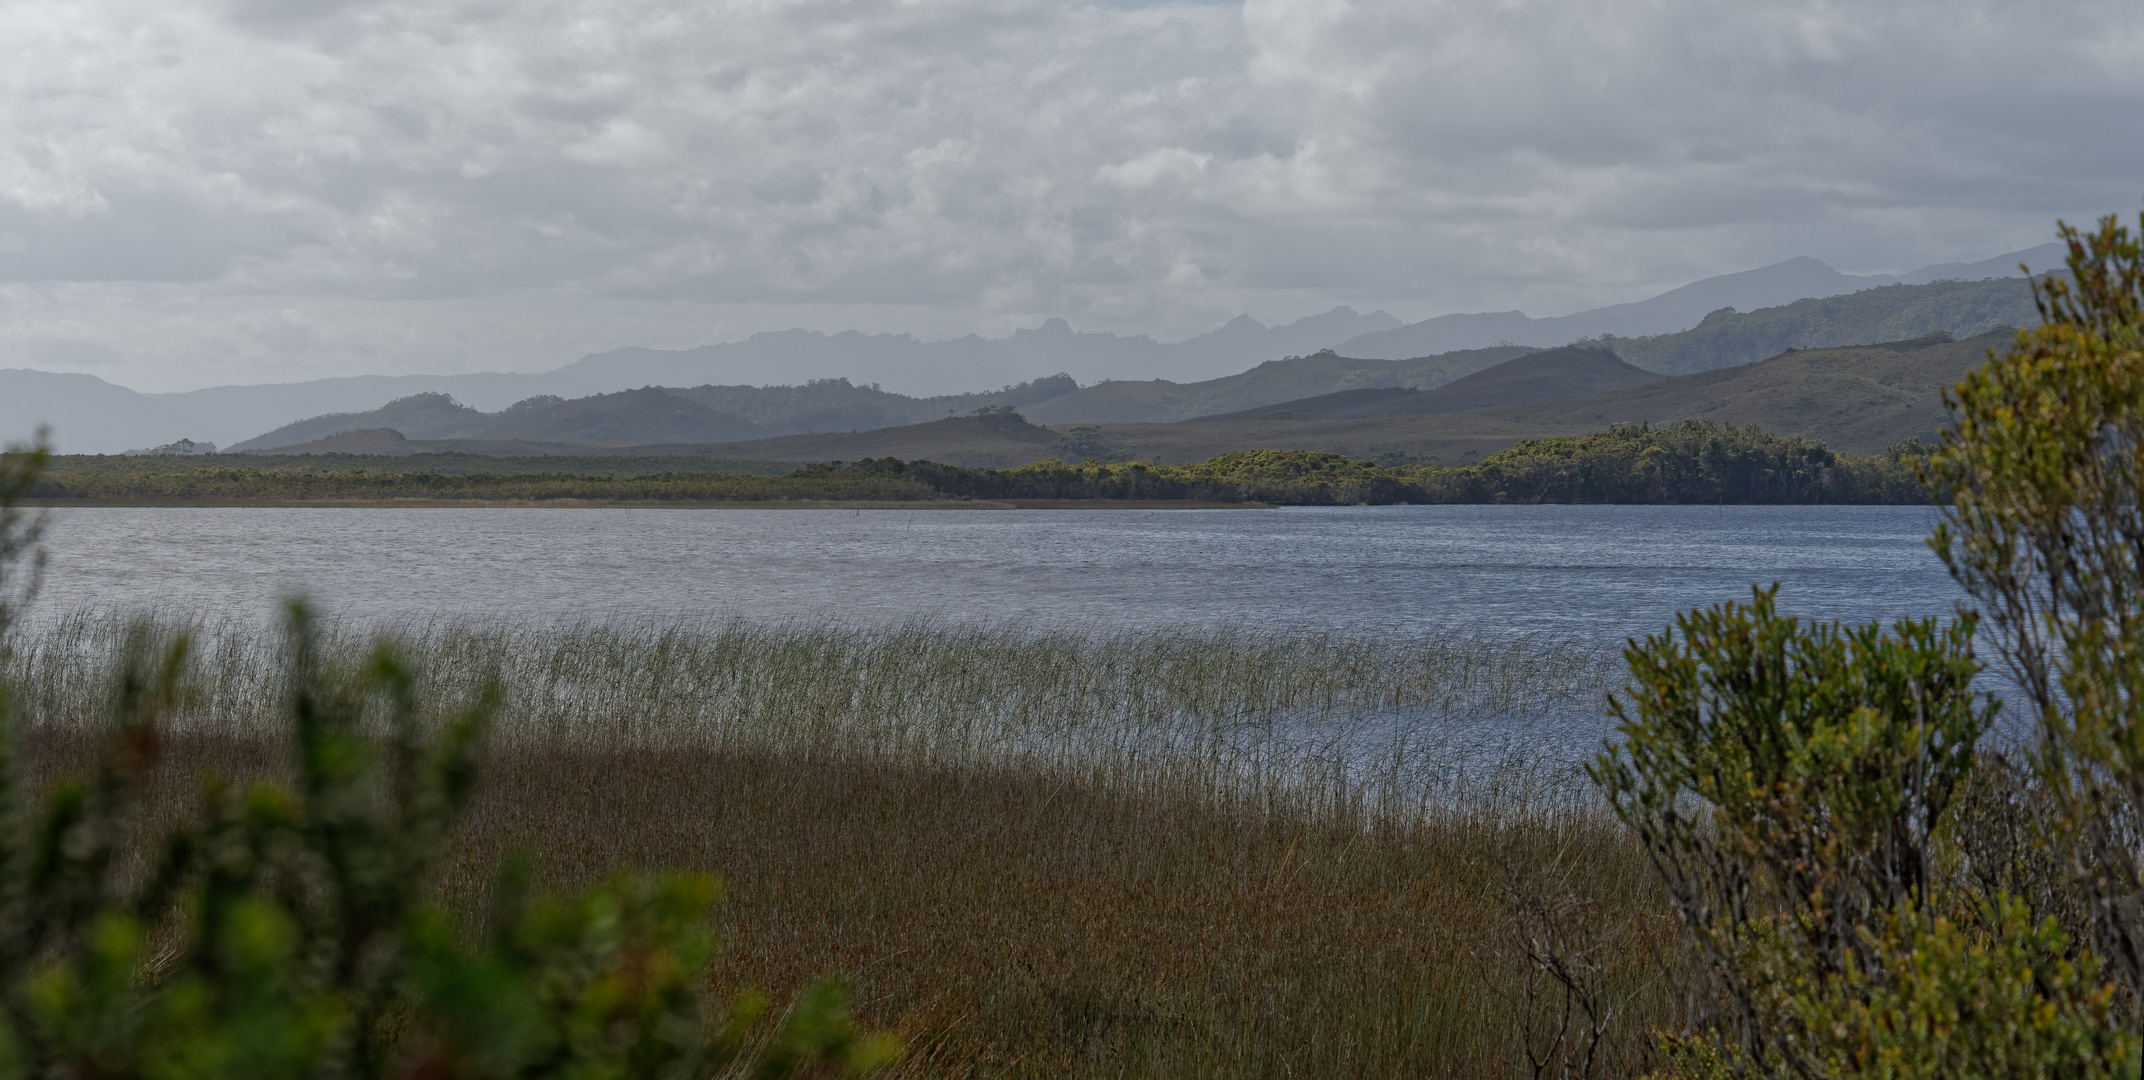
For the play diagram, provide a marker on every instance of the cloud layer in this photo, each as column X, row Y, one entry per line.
column 268, row 189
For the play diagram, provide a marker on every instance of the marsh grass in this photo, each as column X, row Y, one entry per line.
column 1034, row 853
column 1383, row 724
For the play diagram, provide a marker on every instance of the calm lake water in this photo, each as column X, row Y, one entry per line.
column 1598, row 572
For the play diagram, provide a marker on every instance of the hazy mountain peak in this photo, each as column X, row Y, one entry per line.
column 1678, row 309
column 2041, row 259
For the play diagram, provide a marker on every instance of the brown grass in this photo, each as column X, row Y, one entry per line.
column 1031, row 913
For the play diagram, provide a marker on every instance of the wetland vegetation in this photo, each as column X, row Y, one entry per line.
column 1027, row 854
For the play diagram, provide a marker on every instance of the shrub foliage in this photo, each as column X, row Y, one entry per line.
column 1799, row 787
column 2047, row 465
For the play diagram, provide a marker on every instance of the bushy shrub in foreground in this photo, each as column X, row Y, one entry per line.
column 1796, row 786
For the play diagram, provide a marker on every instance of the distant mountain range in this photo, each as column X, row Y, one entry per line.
column 1861, row 398
column 1373, row 350
column 1306, row 387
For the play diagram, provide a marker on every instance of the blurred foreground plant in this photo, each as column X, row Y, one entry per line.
column 285, row 933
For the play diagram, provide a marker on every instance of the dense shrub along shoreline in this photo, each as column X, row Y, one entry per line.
column 1692, row 462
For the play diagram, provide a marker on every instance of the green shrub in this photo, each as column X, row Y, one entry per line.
column 2045, row 467
column 1788, row 781
column 1995, row 994
column 1796, row 787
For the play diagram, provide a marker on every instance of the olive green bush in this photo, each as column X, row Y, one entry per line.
column 1794, row 785
column 2044, row 469
column 1866, row 893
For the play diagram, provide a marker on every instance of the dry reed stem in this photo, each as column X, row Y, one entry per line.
column 1034, row 855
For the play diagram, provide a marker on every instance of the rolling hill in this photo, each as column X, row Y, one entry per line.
column 1269, row 383
column 997, row 440
column 647, row 415
column 697, row 415
column 707, row 414
column 1533, row 378
column 1861, row 399
column 1857, row 398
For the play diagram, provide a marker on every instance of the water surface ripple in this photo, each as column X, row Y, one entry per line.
column 1592, row 572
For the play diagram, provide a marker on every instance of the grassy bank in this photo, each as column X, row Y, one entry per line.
column 1169, row 854
column 1692, row 462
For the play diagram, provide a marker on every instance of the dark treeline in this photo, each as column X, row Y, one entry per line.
column 1690, row 462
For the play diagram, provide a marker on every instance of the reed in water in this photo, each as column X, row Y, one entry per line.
column 1031, row 853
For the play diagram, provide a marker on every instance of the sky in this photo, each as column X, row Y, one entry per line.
column 195, row 192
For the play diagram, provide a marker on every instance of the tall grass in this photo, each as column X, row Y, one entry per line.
column 1033, row 852
column 1235, row 713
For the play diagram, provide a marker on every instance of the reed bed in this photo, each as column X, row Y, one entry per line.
column 1033, row 853
column 1335, row 717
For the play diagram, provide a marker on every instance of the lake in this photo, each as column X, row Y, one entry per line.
column 1593, row 572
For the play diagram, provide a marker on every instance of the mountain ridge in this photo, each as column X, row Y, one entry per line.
column 1781, row 283
column 1573, row 371
column 1860, row 398
column 97, row 416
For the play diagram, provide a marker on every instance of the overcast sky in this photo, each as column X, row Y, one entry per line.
column 204, row 191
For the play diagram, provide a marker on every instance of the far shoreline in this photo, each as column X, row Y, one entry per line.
column 648, row 504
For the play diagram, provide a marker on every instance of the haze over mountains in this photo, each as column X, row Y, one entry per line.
column 91, row 416
column 1677, row 309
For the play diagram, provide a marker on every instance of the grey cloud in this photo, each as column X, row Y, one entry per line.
column 1150, row 167
column 66, row 353
column 147, row 236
